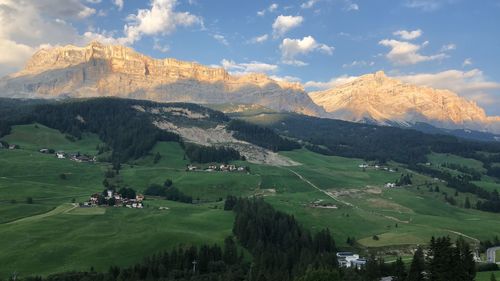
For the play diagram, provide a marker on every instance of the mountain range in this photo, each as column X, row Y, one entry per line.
column 108, row 70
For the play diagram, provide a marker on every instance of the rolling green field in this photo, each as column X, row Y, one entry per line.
column 485, row 276
column 60, row 236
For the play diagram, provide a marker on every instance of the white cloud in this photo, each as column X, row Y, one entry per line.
column 260, row 39
column 427, row 5
column 357, row 63
column 94, row 1
column 332, row 83
column 161, row 18
column 273, row 7
column 221, row 39
column 408, row 35
column 405, row 53
column 86, row 12
column 467, row 61
column 286, row 78
column 291, row 48
column 162, row 48
column 448, row 47
column 119, row 4
column 245, row 68
column 25, row 26
column 283, row 24
column 471, row 84
column 352, row 7
column 309, row 4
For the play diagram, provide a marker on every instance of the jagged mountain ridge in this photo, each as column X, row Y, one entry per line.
column 106, row 70
column 384, row 100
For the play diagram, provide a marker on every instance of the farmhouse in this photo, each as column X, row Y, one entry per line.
column 390, row 185
column 363, row 166
column 60, row 155
column 349, row 259
column 13, row 146
column 81, row 158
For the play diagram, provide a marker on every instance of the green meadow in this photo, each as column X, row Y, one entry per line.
column 51, row 234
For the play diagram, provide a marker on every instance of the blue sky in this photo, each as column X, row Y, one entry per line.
column 451, row 44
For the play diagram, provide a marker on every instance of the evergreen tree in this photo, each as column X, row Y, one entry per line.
column 399, row 270
column 467, row 203
column 417, row 267
column 492, row 277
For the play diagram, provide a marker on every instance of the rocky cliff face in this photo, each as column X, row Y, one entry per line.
column 103, row 70
column 376, row 97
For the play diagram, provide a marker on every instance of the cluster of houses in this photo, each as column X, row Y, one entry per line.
column 217, row 168
column 9, row 146
column 96, row 200
column 349, row 259
column 77, row 157
column 376, row 167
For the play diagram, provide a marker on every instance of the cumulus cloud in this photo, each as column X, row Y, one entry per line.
column 473, row 84
column 260, row 39
column 309, row 4
column 161, row 19
column 159, row 47
column 467, row 61
column 283, row 24
column 408, row 35
column 332, row 83
column 448, row 47
column 405, row 53
column 286, row 78
column 464, row 82
column 221, row 39
column 291, row 48
column 245, row 68
column 352, row 7
column 26, row 26
column 119, row 4
column 273, row 7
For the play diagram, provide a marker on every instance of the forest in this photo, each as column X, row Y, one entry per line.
column 377, row 143
column 261, row 136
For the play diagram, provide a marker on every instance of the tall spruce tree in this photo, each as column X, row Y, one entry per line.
column 417, row 267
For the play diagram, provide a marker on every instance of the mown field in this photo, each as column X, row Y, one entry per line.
column 52, row 235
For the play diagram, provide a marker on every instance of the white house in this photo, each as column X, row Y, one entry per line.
column 348, row 259
column 390, row 185
column 60, row 155
column 363, row 166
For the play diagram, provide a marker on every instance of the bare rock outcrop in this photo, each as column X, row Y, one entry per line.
column 385, row 100
column 106, row 70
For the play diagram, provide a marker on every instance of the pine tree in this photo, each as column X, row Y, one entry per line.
column 492, row 277
column 417, row 267
column 467, row 203
column 399, row 270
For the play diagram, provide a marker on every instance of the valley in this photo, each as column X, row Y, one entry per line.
column 53, row 236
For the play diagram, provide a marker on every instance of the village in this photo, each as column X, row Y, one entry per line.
column 111, row 198
column 77, row 157
column 217, row 168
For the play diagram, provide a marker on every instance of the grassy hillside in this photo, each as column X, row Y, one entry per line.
column 51, row 235
column 60, row 237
